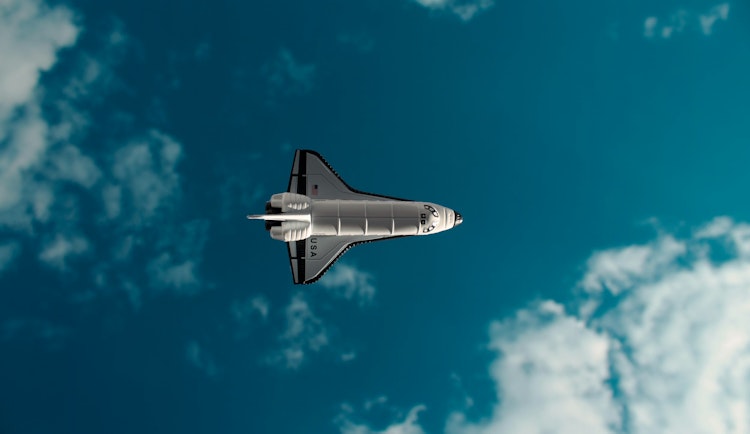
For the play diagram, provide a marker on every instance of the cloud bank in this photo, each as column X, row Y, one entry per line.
column 658, row 340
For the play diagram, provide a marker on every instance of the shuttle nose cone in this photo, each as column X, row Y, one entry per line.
column 459, row 219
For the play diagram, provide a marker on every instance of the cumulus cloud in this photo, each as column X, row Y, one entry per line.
column 31, row 34
column 682, row 19
column 130, row 187
column 465, row 10
column 409, row 424
column 549, row 364
column 304, row 333
column 350, row 283
column 665, row 349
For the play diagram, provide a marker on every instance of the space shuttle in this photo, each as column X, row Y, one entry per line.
column 320, row 217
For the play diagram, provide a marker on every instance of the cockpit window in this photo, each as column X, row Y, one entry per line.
column 433, row 221
column 432, row 210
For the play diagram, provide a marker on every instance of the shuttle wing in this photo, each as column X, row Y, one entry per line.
column 315, row 178
column 312, row 257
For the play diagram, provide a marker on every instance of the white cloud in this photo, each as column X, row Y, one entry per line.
column 69, row 164
column 550, row 364
column 8, row 253
column 348, row 357
column 46, row 172
column 176, row 267
column 350, row 283
column 682, row 19
column 167, row 271
column 667, row 350
column 409, row 424
column 244, row 310
column 261, row 305
column 57, row 251
column 197, row 357
column 375, row 402
column 304, row 332
column 287, row 76
column 146, row 172
column 718, row 12
column 649, row 25
column 465, row 9
column 619, row 269
column 31, row 34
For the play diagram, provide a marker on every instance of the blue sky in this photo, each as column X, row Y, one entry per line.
column 598, row 153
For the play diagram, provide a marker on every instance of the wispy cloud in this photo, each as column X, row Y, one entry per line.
column 287, row 76
column 350, row 283
column 664, row 345
column 465, row 10
column 408, row 424
column 257, row 305
column 718, row 12
column 145, row 173
column 8, row 253
column 61, row 248
column 52, row 336
column 304, row 333
column 684, row 19
column 198, row 358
